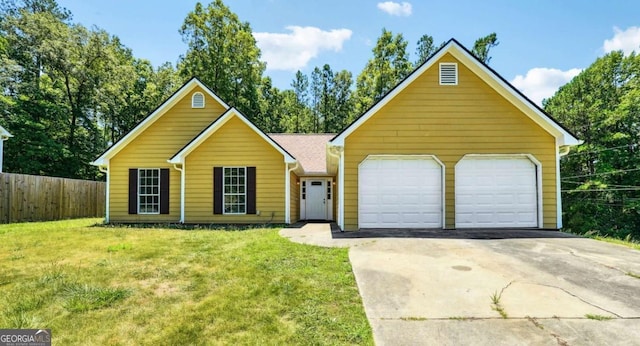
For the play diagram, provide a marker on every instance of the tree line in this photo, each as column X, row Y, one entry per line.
column 601, row 178
column 69, row 91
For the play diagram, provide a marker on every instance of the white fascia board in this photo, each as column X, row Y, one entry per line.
column 339, row 140
column 565, row 138
column 217, row 124
column 4, row 134
column 149, row 120
column 203, row 136
column 542, row 119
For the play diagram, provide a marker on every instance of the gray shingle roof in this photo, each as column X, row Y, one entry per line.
column 309, row 149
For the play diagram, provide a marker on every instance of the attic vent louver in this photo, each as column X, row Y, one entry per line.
column 197, row 100
column 448, row 74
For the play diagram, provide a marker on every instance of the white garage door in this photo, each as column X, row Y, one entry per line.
column 496, row 192
column 400, row 192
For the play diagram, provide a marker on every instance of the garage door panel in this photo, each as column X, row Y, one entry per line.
column 496, row 192
column 400, row 193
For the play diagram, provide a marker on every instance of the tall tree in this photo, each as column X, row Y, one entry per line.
column 223, row 54
column 425, row 48
column 343, row 112
column 389, row 65
column 600, row 178
column 272, row 108
column 66, row 91
column 301, row 112
column 483, row 45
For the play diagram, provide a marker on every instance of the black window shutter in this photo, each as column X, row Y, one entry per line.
column 133, row 191
column 164, row 191
column 251, row 190
column 217, row 190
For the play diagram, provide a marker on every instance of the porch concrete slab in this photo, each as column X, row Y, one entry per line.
column 318, row 234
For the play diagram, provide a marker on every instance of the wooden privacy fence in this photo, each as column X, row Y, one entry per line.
column 38, row 198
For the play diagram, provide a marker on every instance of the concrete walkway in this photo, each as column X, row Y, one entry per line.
column 552, row 291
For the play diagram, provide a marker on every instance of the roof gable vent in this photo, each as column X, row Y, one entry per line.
column 448, row 73
column 197, row 100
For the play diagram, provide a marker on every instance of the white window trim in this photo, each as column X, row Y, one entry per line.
column 224, row 176
column 193, row 97
column 141, row 194
column 455, row 64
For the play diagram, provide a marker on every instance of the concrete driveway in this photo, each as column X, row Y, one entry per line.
column 525, row 291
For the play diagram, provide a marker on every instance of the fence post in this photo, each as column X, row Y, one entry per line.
column 34, row 200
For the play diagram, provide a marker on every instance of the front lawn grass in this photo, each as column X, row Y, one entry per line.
column 626, row 242
column 93, row 284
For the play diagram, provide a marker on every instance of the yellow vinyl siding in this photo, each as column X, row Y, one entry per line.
column 235, row 144
column 294, row 194
column 449, row 122
column 152, row 149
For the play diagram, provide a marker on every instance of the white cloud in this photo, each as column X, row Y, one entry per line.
column 627, row 41
column 403, row 9
column 542, row 82
column 292, row 51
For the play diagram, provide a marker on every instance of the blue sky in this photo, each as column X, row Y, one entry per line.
column 543, row 43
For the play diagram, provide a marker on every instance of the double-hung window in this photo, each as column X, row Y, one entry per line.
column 235, row 190
column 149, row 191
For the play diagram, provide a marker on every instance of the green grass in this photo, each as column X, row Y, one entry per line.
column 411, row 318
column 126, row 285
column 633, row 275
column 627, row 243
column 495, row 302
column 598, row 317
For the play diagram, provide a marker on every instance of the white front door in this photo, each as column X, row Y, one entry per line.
column 316, row 200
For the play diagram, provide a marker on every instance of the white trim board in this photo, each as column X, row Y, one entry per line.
column 506, row 90
column 180, row 156
column 155, row 115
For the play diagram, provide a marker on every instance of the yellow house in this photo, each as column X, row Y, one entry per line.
column 454, row 145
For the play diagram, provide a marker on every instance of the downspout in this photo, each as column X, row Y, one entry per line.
column 2, row 139
column 562, row 151
column 340, row 157
column 287, row 191
column 105, row 170
column 182, row 188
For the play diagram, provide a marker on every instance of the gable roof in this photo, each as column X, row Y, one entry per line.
column 309, row 149
column 492, row 78
column 4, row 134
column 215, row 126
column 153, row 116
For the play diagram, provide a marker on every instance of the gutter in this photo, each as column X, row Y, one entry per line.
column 182, row 188
column 287, row 191
column 105, row 170
column 340, row 157
column 564, row 150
